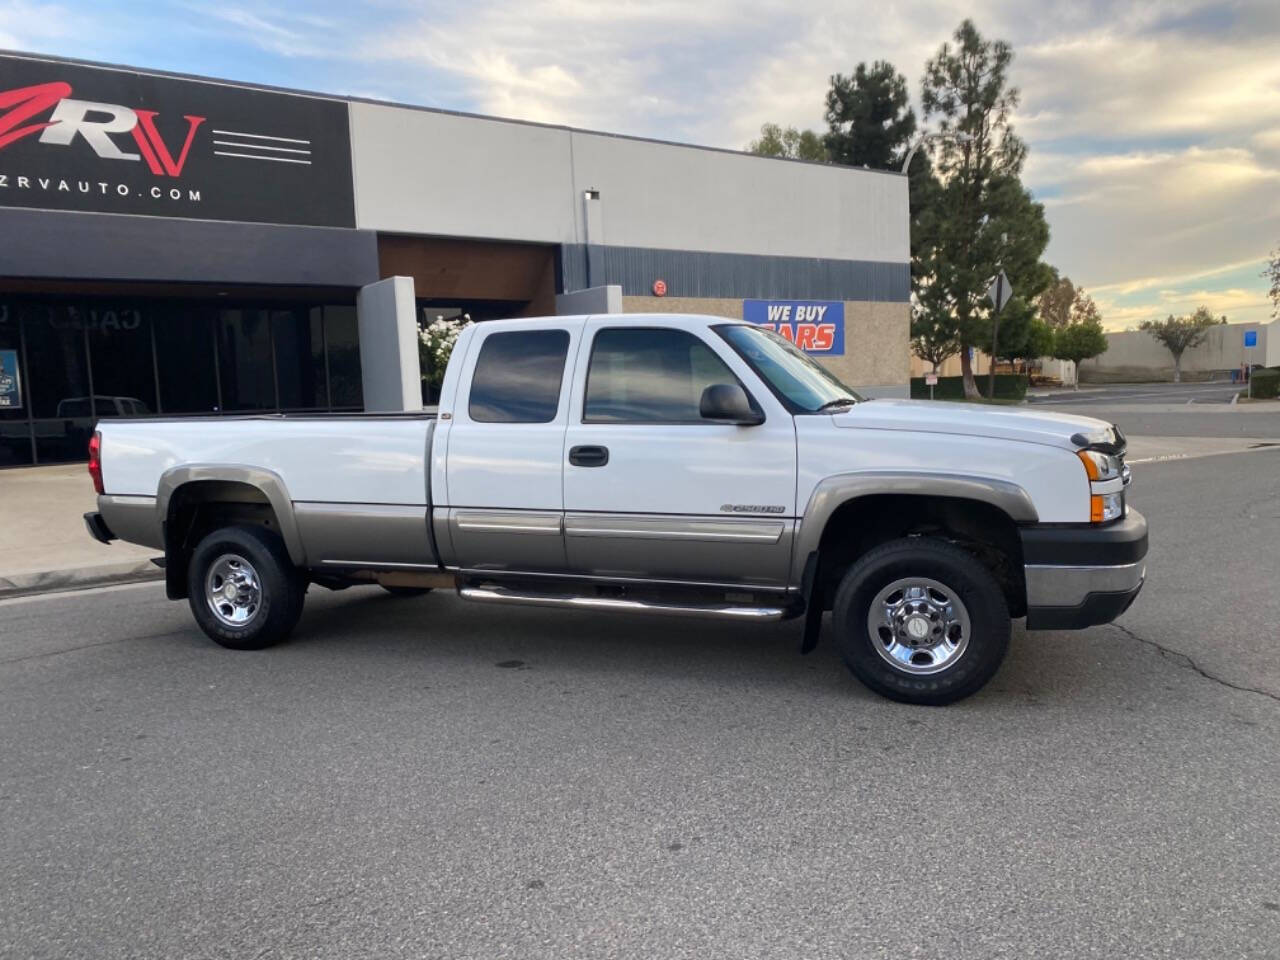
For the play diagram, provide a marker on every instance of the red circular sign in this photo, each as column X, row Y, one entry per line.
column 659, row 288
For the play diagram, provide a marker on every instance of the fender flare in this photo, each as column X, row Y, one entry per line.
column 835, row 491
column 267, row 482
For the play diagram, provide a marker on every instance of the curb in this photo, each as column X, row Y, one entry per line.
column 77, row 578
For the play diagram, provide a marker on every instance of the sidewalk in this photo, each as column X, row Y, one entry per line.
column 43, row 543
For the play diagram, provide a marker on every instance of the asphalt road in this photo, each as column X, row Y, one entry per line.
column 1141, row 393
column 419, row 778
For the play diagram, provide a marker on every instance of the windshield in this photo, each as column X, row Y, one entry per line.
column 799, row 382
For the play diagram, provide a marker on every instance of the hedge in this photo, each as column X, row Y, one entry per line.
column 1266, row 383
column 1009, row 386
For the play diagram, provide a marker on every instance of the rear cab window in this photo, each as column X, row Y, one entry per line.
column 518, row 376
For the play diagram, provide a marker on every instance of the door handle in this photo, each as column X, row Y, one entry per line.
column 589, row 456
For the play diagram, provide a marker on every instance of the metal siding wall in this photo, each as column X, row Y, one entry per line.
column 693, row 273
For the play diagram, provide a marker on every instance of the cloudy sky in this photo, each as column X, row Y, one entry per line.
column 1154, row 127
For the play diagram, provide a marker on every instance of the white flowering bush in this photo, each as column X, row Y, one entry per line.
column 435, row 343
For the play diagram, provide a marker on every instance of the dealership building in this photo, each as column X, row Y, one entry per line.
column 171, row 245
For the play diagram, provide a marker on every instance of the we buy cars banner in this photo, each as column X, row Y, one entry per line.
column 815, row 326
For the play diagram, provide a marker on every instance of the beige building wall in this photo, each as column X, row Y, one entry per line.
column 1134, row 355
column 876, row 336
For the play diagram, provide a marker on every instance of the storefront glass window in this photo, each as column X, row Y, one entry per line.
column 124, row 380
column 343, row 337
column 55, row 343
column 299, row 345
column 184, row 358
column 244, row 360
column 15, row 432
column 67, row 362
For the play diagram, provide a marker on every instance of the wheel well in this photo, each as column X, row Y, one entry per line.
column 985, row 531
column 200, row 507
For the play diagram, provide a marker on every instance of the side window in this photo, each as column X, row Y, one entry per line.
column 647, row 375
column 517, row 377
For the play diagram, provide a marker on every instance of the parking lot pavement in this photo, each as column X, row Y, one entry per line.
column 1140, row 393
column 43, row 542
column 422, row 778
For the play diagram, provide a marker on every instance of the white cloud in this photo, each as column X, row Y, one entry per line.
column 32, row 26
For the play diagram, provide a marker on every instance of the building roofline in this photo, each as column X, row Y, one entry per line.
column 271, row 88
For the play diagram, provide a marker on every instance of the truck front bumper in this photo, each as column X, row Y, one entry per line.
column 1079, row 575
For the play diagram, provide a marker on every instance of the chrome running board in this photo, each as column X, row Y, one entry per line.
column 723, row 611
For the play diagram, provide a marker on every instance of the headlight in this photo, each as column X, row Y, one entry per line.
column 1100, row 466
column 1106, row 506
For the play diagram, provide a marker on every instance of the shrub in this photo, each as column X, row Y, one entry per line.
column 1009, row 386
column 1266, row 383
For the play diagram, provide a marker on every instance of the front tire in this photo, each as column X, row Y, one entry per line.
column 243, row 589
column 921, row 621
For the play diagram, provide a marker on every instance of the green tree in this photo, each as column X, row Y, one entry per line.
column 1272, row 273
column 1080, row 340
column 980, row 218
column 869, row 121
column 1180, row 334
column 790, row 143
column 932, row 341
column 1041, row 340
column 1055, row 302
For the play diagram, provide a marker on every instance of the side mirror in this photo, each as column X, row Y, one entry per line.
column 728, row 403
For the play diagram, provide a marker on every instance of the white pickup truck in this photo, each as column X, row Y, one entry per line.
column 659, row 464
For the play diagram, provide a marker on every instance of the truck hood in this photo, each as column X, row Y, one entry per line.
column 977, row 420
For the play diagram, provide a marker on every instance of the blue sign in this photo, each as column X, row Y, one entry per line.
column 1251, row 338
column 815, row 326
column 10, row 381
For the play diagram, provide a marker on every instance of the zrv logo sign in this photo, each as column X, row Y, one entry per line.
column 72, row 118
column 815, row 326
column 84, row 138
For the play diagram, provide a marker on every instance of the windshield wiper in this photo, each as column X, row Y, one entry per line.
column 838, row 402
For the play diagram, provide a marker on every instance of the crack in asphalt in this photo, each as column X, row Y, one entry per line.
column 1190, row 664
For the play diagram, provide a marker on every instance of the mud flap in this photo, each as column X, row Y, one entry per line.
column 813, row 604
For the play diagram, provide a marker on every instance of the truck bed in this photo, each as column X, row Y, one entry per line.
column 346, row 489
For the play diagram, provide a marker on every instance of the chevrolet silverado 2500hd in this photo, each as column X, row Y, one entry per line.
column 657, row 464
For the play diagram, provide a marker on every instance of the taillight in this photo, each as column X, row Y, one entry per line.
column 95, row 461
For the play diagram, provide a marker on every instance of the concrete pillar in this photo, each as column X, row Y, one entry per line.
column 388, row 320
column 592, row 300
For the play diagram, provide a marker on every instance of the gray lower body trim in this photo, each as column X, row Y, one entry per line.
column 709, row 530
column 746, row 552
column 133, row 519
column 506, row 539
column 1064, row 586
column 340, row 533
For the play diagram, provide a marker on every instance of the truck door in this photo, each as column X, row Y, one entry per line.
column 654, row 491
column 506, row 447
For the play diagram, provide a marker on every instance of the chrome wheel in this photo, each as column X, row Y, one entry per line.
column 233, row 590
column 918, row 625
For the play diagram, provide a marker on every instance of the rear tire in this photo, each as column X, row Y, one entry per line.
column 921, row 621
column 405, row 591
column 243, row 589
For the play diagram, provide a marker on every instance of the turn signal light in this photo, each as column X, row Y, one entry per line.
column 95, row 462
column 1106, row 506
